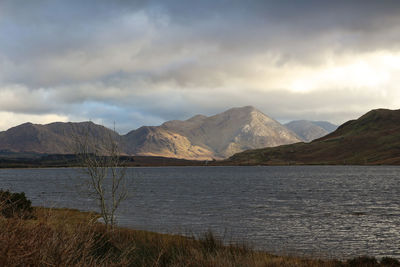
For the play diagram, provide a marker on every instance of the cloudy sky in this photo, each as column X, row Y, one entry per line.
column 145, row 62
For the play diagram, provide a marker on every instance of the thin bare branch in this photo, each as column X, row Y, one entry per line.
column 101, row 162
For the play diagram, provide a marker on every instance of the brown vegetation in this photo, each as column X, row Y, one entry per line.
column 63, row 237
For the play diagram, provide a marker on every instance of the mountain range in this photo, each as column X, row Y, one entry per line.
column 374, row 138
column 200, row 137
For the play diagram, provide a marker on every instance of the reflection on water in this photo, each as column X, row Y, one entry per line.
column 330, row 211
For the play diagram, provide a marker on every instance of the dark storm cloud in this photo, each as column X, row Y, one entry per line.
column 149, row 61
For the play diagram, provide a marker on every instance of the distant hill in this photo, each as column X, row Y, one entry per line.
column 374, row 138
column 53, row 138
column 199, row 137
column 327, row 126
column 310, row 130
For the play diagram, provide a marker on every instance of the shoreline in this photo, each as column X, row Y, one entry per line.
column 71, row 161
column 215, row 165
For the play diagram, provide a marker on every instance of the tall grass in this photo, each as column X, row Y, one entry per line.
column 61, row 237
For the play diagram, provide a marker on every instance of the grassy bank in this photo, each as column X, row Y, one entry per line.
column 63, row 237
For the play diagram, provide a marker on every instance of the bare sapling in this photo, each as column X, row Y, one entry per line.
column 106, row 174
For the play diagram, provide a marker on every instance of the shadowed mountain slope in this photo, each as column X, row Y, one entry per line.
column 374, row 138
column 53, row 138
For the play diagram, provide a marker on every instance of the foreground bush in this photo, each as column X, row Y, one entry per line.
column 15, row 205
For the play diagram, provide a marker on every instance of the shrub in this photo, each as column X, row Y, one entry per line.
column 15, row 205
column 363, row 261
column 386, row 261
column 209, row 243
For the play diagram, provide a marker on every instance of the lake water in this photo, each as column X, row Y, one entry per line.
column 323, row 211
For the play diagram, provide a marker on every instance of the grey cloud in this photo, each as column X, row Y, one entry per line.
column 337, row 105
column 20, row 99
column 36, row 36
column 149, row 61
column 37, row 28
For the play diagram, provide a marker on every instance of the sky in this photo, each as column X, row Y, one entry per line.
column 137, row 63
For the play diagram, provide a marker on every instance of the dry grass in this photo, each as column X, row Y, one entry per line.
column 62, row 237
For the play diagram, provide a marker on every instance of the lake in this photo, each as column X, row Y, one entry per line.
column 322, row 211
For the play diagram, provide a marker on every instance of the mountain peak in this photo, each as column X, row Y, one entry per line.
column 197, row 117
column 244, row 109
column 233, row 130
column 374, row 121
column 380, row 114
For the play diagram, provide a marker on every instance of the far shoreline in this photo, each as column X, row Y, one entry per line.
column 33, row 167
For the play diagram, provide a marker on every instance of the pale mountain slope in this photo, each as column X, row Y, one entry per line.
column 310, row 130
column 326, row 125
